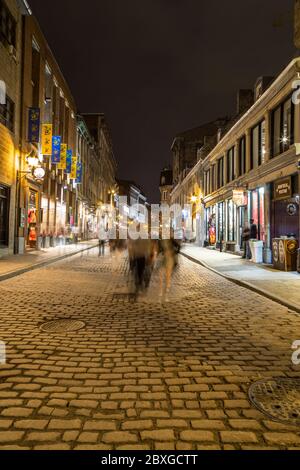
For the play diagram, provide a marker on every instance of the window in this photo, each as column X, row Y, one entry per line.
column 242, row 156
column 35, row 74
column 257, row 145
column 213, row 178
column 256, row 200
column 7, row 114
column 207, row 182
column 7, row 25
column 230, row 221
column 48, row 94
column 230, row 165
column 220, row 179
column 282, row 127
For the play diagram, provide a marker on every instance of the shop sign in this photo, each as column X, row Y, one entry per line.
column 63, row 157
column 56, row 145
column 47, row 139
column 283, row 188
column 34, row 125
column 239, row 197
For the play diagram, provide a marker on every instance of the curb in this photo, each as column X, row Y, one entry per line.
column 245, row 284
column 18, row 272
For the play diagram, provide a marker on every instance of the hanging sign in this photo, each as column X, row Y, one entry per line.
column 283, row 188
column 34, row 125
column 56, row 144
column 74, row 168
column 47, row 139
column 68, row 162
column 239, row 197
column 63, row 157
column 79, row 173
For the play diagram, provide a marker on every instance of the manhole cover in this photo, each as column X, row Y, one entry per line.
column 277, row 398
column 62, row 326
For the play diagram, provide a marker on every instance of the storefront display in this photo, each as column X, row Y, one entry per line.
column 212, row 230
column 257, row 211
column 32, row 219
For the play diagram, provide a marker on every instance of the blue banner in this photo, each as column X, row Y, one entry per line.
column 79, row 173
column 56, row 146
column 69, row 162
column 34, row 125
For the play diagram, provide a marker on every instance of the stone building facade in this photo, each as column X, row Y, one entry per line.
column 47, row 207
column 253, row 171
column 10, row 83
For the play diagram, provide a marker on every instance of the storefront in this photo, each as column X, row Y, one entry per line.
column 285, row 208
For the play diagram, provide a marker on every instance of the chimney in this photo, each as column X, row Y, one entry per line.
column 244, row 101
column 261, row 84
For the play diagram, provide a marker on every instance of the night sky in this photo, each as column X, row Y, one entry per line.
column 158, row 67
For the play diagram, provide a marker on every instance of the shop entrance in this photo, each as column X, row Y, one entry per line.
column 285, row 219
column 285, row 208
column 4, row 215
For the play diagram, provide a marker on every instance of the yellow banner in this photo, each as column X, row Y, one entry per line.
column 74, row 168
column 47, row 139
column 63, row 157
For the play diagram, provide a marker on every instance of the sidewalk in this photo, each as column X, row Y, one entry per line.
column 14, row 265
column 278, row 285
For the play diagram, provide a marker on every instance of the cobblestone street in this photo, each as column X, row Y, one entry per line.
column 144, row 374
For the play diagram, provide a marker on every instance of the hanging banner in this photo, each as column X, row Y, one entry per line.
column 47, row 139
column 69, row 162
column 56, row 144
column 34, row 125
column 63, row 157
column 79, row 173
column 74, row 168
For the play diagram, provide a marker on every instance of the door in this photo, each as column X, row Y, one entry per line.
column 4, row 215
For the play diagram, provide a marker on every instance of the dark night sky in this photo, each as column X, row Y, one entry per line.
column 158, row 67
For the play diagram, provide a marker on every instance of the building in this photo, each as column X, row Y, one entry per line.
column 98, row 185
column 186, row 145
column 252, row 172
column 99, row 130
column 55, row 169
column 166, row 185
column 11, row 12
column 47, row 205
